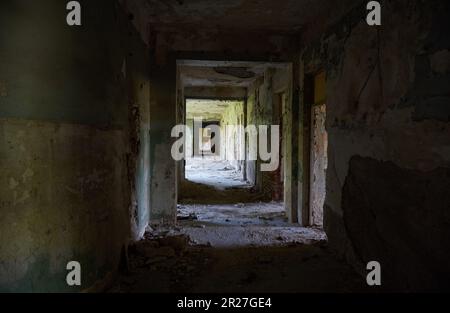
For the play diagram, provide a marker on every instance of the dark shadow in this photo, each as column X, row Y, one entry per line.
column 178, row 268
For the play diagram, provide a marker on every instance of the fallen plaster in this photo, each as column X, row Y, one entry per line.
column 243, row 224
column 170, row 260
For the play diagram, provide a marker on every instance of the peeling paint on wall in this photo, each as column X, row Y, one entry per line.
column 64, row 188
column 387, row 101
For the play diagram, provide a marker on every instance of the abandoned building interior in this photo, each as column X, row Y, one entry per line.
column 87, row 172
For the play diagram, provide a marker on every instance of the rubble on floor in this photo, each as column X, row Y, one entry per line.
column 168, row 261
column 228, row 240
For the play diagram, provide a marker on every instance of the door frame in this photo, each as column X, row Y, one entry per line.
column 309, row 101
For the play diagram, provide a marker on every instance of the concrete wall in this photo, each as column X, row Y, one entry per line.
column 389, row 152
column 233, row 142
column 260, row 105
column 163, row 117
column 190, row 139
column 250, row 167
column 73, row 135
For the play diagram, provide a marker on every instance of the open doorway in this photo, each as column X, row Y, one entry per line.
column 219, row 189
column 215, row 146
column 234, row 186
column 232, row 191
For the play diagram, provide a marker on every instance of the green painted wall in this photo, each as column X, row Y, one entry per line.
column 72, row 148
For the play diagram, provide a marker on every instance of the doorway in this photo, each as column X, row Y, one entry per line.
column 214, row 146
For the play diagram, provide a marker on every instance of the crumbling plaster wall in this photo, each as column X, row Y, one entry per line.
column 73, row 103
column 255, row 108
column 138, row 97
column 388, row 117
column 232, row 139
column 260, row 113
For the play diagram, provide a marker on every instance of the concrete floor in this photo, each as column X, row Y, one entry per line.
column 243, row 225
column 213, row 172
column 239, row 214
column 231, row 244
column 200, row 256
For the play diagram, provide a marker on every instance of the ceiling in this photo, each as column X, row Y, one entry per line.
column 209, row 110
column 222, row 73
column 275, row 16
column 236, row 76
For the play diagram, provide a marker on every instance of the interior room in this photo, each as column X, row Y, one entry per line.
column 310, row 144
